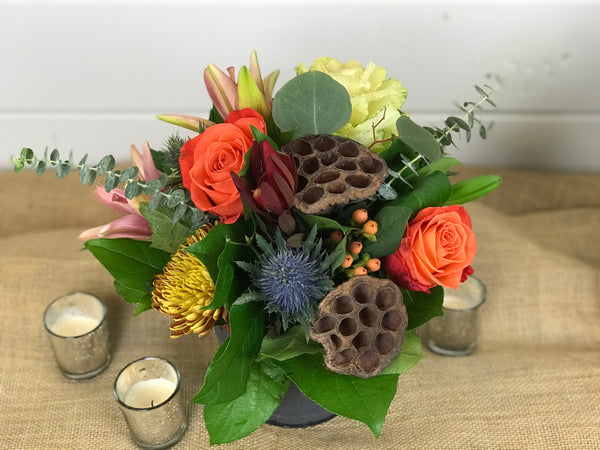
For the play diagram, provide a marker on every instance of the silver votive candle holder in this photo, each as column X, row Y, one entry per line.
column 455, row 333
column 78, row 334
column 148, row 393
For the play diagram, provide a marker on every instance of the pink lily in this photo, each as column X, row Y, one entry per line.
column 131, row 224
column 250, row 91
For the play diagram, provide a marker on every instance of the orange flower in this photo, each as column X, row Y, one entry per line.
column 207, row 160
column 437, row 249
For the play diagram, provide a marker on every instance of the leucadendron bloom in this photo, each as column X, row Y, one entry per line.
column 375, row 99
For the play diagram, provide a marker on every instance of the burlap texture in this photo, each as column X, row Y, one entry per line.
column 533, row 382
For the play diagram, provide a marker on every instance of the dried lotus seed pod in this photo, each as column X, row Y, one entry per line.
column 361, row 326
column 333, row 170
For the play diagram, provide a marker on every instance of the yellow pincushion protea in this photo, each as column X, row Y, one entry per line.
column 183, row 289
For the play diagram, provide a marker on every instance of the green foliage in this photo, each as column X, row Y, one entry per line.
column 422, row 307
column 288, row 345
column 132, row 264
column 227, row 376
column 473, row 188
column 227, row 422
column 417, row 139
column 311, row 103
column 364, row 399
column 166, row 235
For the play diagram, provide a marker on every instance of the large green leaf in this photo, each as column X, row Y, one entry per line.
column 209, row 249
column 228, row 373
column 132, row 264
column 288, row 345
column 364, row 399
column 311, row 103
column 322, row 223
column 392, row 221
column 227, row 422
column 473, row 188
column 409, row 356
column 227, row 291
column 166, row 235
column 422, row 307
column 418, row 139
column 432, row 190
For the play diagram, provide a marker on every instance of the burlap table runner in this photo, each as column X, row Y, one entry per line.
column 533, row 382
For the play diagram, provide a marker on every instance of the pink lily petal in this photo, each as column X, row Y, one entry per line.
column 116, row 200
column 133, row 227
column 222, row 89
column 190, row 122
column 150, row 172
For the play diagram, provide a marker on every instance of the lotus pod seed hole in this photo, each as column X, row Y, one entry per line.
column 325, row 324
column 392, row 320
column 302, row 182
column 312, row 195
column 324, row 143
column 326, row 177
column 345, row 164
column 344, row 357
column 349, row 149
column 358, row 181
column 370, row 165
column 328, row 159
column 384, row 343
column 335, row 341
column 384, row 299
column 348, row 326
column 363, row 293
column 368, row 317
column 368, row 361
column 336, row 188
column 310, row 165
column 361, row 340
column 300, row 147
column 343, row 305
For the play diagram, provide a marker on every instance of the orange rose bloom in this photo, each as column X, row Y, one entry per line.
column 207, row 160
column 437, row 249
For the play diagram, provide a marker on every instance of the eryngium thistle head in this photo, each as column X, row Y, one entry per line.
column 291, row 281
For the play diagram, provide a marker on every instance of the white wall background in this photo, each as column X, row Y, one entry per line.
column 92, row 76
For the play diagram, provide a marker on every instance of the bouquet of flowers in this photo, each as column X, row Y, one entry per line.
column 317, row 225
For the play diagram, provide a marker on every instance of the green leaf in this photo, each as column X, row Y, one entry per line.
column 364, row 399
column 227, row 292
column 27, row 155
column 432, row 190
column 227, row 422
column 129, row 173
column 138, row 295
column 41, row 167
column 391, row 222
column 228, row 373
column 421, row 306
column 166, row 235
column 288, row 345
column 312, row 103
column 106, row 164
column 442, row 165
column 473, row 188
column 133, row 189
column 409, row 356
column 209, row 249
column 322, row 223
column 177, row 196
column 418, row 139
column 457, row 124
column 132, row 264
column 482, row 132
column 111, row 181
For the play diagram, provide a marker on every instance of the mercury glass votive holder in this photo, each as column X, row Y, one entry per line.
column 148, row 393
column 78, row 333
column 455, row 333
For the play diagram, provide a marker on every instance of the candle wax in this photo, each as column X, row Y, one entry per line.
column 74, row 325
column 148, row 393
column 455, row 302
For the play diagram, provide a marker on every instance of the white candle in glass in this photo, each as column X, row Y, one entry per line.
column 149, row 393
column 74, row 325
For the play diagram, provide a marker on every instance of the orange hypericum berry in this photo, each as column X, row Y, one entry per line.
column 355, row 247
column 373, row 264
column 336, row 236
column 359, row 271
column 360, row 216
column 370, row 227
column 348, row 259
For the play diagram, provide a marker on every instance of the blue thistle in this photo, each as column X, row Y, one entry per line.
column 291, row 281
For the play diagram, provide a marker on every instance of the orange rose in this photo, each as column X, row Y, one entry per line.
column 207, row 160
column 437, row 249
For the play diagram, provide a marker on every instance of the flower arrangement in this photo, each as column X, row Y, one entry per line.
column 317, row 225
